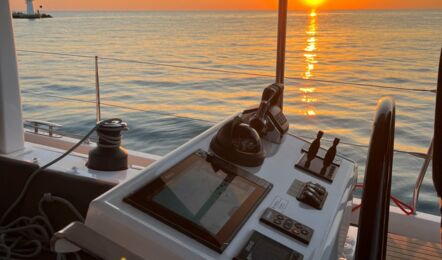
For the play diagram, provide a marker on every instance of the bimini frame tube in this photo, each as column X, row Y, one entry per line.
column 280, row 57
column 11, row 123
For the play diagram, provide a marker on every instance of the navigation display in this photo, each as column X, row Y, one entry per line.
column 202, row 196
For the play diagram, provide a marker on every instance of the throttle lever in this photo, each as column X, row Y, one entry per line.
column 258, row 121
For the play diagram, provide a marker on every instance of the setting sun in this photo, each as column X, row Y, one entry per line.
column 313, row 3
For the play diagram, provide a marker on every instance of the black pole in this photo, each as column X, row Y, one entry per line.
column 437, row 152
column 280, row 57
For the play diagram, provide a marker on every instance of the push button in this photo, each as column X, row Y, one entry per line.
column 277, row 221
column 287, row 225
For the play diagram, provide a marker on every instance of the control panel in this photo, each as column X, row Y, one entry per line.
column 236, row 211
column 319, row 162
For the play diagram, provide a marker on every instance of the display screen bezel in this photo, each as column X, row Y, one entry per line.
column 143, row 199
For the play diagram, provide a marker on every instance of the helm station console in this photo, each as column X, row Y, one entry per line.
column 235, row 192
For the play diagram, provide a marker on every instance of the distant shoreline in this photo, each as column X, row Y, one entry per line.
column 218, row 11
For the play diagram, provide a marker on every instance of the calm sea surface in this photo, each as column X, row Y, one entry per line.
column 395, row 49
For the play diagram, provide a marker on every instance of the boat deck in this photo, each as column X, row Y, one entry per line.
column 400, row 247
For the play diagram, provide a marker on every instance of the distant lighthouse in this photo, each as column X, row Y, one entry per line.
column 30, row 7
column 30, row 13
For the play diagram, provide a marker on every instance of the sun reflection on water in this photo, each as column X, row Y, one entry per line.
column 311, row 61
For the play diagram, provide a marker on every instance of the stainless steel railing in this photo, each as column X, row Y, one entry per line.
column 420, row 177
column 47, row 127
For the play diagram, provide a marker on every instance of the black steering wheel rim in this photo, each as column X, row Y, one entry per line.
column 437, row 148
column 373, row 216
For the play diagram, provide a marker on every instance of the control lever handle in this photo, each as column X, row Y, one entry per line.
column 262, row 110
column 313, row 149
column 330, row 155
column 258, row 121
column 312, row 194
column 268, row 119
column 319, row 189
column 311, row 198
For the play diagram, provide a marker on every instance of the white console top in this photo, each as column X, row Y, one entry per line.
column 152, row 239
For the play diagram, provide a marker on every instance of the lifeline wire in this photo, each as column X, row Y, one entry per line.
column 363, row 85
column 415, row 154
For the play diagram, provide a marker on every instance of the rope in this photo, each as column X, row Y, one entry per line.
column 105, row 140
column 376, row 86
column 27, row 237
column 407, row 209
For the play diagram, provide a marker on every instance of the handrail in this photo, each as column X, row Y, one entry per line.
column 37, row 123
column 435, row 149
column 374, row 212
column 420, row 177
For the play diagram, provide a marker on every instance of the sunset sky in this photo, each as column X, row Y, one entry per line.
column 224, row 4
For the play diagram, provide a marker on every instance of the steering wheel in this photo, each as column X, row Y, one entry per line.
column 437, row 152
column 437, row 139
column 373, row 217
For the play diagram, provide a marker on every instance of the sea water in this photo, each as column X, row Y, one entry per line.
column 166, row 106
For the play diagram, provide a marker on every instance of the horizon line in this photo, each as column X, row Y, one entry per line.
column 241, row 10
